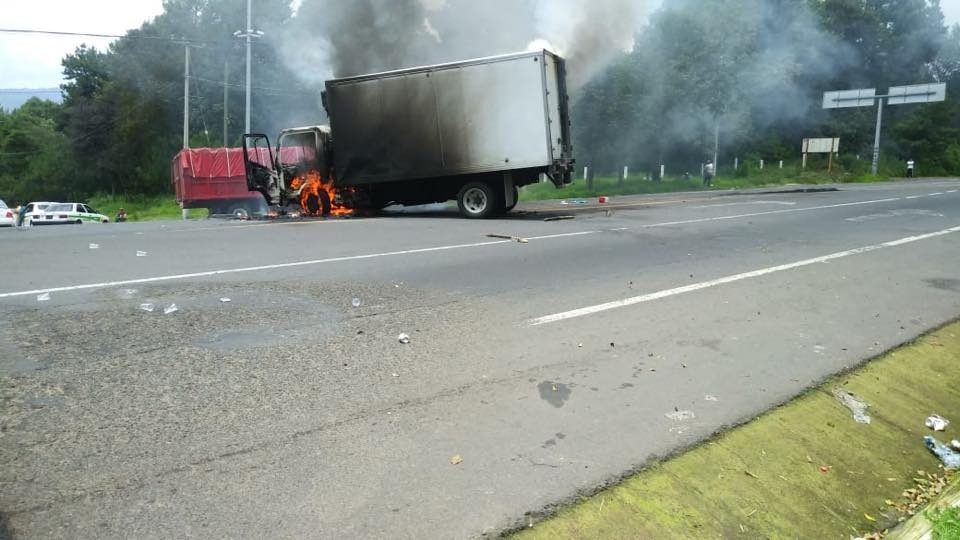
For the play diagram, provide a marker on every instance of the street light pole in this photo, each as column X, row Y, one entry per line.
column 186, row 97
column 248, row 35
column 876, row 138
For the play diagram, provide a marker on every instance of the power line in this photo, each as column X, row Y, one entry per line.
column 272, row 91
column 37, row 91
column 169, row 39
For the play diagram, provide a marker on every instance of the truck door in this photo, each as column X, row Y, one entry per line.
column 260, row 167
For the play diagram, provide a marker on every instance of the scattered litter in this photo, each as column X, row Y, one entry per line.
column 225, row 300
column 45, row 297
column 679, row 416
column 505, row 237
column 949, row 457
column 710, row 398
column 751, row 475
column 397, row 284
column 456, row 460
column 580, row 345
column 148, row 307
column 937, row 422
column 356, row 302
column 94, row 246
column 869, row 517
column 396, row 375
column 172, row 308
column 955, row 444
column 141, row 254
column 603, row 200
column 403, row 338
column 856, row 405
column 559, row 218
column 824, row 469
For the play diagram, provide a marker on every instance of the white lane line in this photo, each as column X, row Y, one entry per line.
column 743, row 204
column 590, row 310
column 913, row 197
column 952, row 191
column 772, row 212
column 935, row 194
column 248, row 269
column 407, row 252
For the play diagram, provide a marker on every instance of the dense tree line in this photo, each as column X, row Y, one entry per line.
column 751, row 70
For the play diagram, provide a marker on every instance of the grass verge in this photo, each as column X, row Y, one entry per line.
column 803, row 470
column 142, row 207
column 946, row 524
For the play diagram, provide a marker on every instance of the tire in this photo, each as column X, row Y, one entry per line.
column 79, row 222
column 317, row 204
column 240, row 212
column 477, row 200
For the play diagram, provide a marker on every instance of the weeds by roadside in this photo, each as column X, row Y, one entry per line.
column 142, row 208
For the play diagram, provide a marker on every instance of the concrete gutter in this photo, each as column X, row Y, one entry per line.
column 803, row 470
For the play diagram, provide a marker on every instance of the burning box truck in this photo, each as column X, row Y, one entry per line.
column 472, row 131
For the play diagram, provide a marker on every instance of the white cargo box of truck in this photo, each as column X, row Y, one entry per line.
column 505, row 113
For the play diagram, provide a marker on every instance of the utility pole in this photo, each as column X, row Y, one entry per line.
column 226, row 98
column 248, row 35
column 716, row 148
column 186, row 97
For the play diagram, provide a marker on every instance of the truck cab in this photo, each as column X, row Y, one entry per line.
column 297, row 172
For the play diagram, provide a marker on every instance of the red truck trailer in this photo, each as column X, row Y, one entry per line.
column 214, row 178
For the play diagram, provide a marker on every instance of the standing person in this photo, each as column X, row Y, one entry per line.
column 708, row 171
column 910, row 166
column 22, row 216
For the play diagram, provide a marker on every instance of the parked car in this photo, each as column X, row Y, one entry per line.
column 7, row 216
column 77, row 213
column 34, row 213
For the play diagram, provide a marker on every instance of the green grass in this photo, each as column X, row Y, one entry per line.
column 635, row 185
column 946, row 524
column 141, row 207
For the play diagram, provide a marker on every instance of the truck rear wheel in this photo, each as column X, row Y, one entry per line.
column 477, row 200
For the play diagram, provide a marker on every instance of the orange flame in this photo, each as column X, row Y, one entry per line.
column 313, row 184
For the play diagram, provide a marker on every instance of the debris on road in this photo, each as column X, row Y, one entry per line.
column 225, row 300
column 172, row 308
column 603, row 199
column 949, row 457
column 710, row 398
column 45, row 297
column 824, row 469
column 403, row 338
column 148, row 307
column 937, row 422
column 955, row 444
column 356, row 302
column 856, row 405
column 559, row 218
column 141, row 254
column 94, row 246
column 505, row 237
column 456, row 460
column 680, row 416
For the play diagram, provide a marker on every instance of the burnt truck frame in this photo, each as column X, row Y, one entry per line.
column 472, row 131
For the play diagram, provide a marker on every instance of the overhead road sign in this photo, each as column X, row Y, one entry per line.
column 917, row 93
column 864, row 97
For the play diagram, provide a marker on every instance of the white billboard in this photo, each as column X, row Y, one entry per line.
column 863, row 97
column 821, row 146
column 917, row 93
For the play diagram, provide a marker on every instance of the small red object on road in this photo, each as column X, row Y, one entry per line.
column 824, row 469
column 604, row 200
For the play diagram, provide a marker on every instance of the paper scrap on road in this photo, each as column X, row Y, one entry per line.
column 94, row 246
column 172, row 308
column 141, row 254
column 403, row 338
column 456, row 460
column 45, row 297
column 148, row 307
column 680, row 416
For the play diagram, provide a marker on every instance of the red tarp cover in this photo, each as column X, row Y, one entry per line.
column 211, row 162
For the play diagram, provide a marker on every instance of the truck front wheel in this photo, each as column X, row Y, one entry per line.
column 477, row 200
column 318, row 205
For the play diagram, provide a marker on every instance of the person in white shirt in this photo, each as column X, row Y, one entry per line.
column 910, row 166
column 708, row 172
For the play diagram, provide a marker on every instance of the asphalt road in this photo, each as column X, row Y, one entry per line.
column 551, row 367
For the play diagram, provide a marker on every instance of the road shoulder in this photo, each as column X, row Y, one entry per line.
column 806, row 467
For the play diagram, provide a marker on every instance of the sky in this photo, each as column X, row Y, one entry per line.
column 33, row 61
